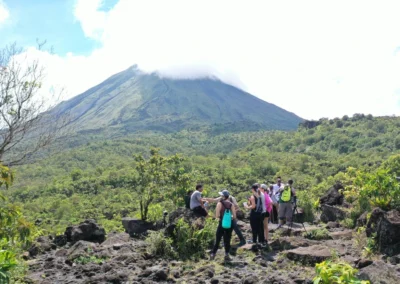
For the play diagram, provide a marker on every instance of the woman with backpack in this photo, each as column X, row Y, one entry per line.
column 225, row 213
column 256, row 215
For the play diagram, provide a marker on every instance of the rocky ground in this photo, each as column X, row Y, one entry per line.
column 84, row 254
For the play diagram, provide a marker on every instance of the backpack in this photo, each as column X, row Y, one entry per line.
column 286, row 194
column 227, row 217
column 259, row 207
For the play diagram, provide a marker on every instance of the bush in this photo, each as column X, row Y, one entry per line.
column 191, row 242
column 159, row 245
column 318, row 234
column 348, row 223
column 307, row 204
column 334, row 273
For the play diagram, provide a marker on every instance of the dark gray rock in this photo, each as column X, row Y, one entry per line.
column 332, row 213
column 380, row 272
column 333, row 196
column 88, row 230
column 161, row 275
column 362, row 220
column 135, row 227
column 309, row 255
column 386, row 225
column 332, row 225
column 364, row 263
column 80, row 248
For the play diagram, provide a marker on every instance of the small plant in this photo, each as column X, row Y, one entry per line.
column 329, row 272
column 347, row 223
column 159, row 245
column 88, row 259
column 318, row 234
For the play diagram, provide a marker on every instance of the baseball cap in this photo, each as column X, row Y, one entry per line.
column 264, row 186
column 224, row 193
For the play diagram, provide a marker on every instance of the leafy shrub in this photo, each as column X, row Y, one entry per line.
column 381, row 188
column 159, row 245
column 363, row 243
column 348, row 223
column 7, row 263
column 318, row 234
column 307, row 204
column 192, row 242
column 88, row 259
column 334, row 273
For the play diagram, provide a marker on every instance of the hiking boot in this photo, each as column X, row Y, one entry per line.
column 227, row 257
column 212, row 256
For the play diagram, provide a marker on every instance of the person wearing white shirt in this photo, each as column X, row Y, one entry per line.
column 276, row 193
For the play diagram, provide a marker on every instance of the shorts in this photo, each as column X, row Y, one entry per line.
column 266, row 214
column 200, row 211
column 285, row 210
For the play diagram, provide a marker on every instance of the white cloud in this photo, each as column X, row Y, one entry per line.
column 4, row 13
column 92, row 20
column 314, row 58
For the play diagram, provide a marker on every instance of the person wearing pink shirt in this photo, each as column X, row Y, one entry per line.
column 268, row 208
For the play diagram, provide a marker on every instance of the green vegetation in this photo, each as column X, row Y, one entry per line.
column 102, row 179
column 188, row 241
column 318, row 234
column 15, row 232
column 329, row 272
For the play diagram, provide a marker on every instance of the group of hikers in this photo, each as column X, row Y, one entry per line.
column 263, row 203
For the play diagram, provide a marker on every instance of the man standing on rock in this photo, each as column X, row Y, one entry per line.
column 237, row 209
column 196, row 202
column 287, row 195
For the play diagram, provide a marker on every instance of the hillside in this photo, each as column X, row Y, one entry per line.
column 103, row 180
column 132, row 100
column 234, row 160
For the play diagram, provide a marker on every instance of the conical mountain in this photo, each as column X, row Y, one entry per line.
column 134, row 100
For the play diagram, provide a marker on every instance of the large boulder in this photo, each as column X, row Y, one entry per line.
column 380, row 272
column 135, row 227
column 332, row 213
column 309, row 255
column 88, row 230
column 333, row 196
column 80, row 248
column 386, row 225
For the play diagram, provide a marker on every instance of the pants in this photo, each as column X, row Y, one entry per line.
column 286, row 211
column 237, row 230
column 257, row 227
column 227, row 235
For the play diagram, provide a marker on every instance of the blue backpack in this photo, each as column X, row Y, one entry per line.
column 227, row 218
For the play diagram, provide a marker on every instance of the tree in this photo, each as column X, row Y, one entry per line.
column 14, row 230
column 25, row 126
column 157, row 176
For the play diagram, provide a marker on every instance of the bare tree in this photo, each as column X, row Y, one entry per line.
column 26, row 124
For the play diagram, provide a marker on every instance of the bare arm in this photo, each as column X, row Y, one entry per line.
column 233, row 210
column 217, row 211
column 212, row 199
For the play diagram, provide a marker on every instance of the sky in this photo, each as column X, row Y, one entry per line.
column 314, row 58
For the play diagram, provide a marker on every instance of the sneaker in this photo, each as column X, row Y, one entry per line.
column 279, row 226
column 227, row 257
column 212, row 256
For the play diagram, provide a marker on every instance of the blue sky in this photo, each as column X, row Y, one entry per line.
column 50, row 20
column 314, row 58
